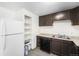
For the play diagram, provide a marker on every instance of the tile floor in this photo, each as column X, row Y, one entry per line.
column 38, row 52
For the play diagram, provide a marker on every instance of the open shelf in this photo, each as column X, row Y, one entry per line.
column 28, row 28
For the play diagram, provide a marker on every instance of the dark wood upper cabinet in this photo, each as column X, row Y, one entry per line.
column 63, row 15
column 45, row 20
column 74, row 15
column 71, row 14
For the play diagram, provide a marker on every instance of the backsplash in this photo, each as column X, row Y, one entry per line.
column 61, row 27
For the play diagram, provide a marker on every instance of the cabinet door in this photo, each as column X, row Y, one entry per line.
column 65, row 48
column 74, row 15
column 63, row 15
column 45, row 20
column 56, row 46
column 38, row 41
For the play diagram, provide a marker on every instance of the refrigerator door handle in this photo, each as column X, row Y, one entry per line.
column 5, row 43
column 5, row 36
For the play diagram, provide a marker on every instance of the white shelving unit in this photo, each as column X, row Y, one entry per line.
column 28, row 28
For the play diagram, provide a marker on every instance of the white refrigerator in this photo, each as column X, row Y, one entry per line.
column 11, row 38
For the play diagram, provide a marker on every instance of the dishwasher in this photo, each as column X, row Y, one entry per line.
column 45, row 44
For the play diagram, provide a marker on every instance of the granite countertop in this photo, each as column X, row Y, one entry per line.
column 74, row 39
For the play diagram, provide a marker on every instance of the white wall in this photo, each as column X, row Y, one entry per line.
column 61, row 27
column 6, row 14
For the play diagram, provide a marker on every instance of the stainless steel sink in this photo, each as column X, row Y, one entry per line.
column 61, row 36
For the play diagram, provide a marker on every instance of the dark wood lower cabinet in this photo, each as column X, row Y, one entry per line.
column 55, row 46
column 38, row 41
column 59, row 47
column 63, row 47
column 78, row 51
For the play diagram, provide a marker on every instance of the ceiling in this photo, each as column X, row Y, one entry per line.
column 41, row 8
